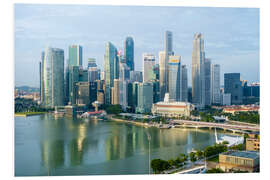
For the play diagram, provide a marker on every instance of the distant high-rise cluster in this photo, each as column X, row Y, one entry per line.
column 136, row 91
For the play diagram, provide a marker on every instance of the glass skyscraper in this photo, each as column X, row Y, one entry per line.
column 174, row 68
column 75, row 55
column 233, row 86
column 198, row 58
column 111, row 69
column 215, row 84
column 129, row 53
column 52, row 77
column 148, row 63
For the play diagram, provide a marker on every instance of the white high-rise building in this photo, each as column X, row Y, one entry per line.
column 148, row 63
column 198, row 78
column 215, row 84
column 174, row 68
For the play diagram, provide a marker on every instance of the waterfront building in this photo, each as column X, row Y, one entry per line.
column 148, row 63
column 92, row 92
column 239, row 161
column 170, row 108
column 184, row 84
column 52, row 77
column 241, row 108
column 116, row 92
column 198, row 58
column 174, row 68
column 123, row 94
column 145, row 97
column 207, row 82
column 156, row 91
column 136, row 76
column 251, row 93
column 232, row 85
column 82, row 93
column 75, row 55
column 215, row 84
column 163, row 78
column 111, row 69
column 129, row 53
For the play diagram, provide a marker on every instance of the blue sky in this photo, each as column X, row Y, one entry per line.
column 231, row 34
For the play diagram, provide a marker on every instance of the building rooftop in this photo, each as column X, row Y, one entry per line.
column 243, row 154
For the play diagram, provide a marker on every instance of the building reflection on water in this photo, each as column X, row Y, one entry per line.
column 68, row 143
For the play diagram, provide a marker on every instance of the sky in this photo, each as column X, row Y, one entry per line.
column 231, row 35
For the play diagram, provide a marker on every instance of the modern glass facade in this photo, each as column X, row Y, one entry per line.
column 52, row 77
column 145, row 97
column 198, row 57
column 174, row 77
column 148, row 63
column 184, row 83
column 233, row 86
column 75, row 55
column 129, row 52
column 111, row 69
column 215, row 84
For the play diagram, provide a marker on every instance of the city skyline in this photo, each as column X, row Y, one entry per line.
column 235, row 36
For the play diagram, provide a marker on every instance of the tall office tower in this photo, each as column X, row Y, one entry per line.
column 156, row 91
column 75, row 55
column 174, row 68
column 124, row 94
column 102, row 75
column 129, row 95
column 73, row 78
column 124, row 72
column 168, row 43
column 156, row 71
column 232, row 85
column 92, row 92
column 136, row 76
column 148, row 63
column 135, row 95
column 41, row 82
column 82, row 93
column 184, row 84
column 207, row 81
column 92, row 70
column 129, row 53
column 92, row 62
column 198, row 56
column 215, row 84
column 163, row 74
column 100, row 96
column 145, row 97
column 52, row 79
column 111, row 69
column 116, row 92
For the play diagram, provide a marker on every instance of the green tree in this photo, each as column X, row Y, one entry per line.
column 159, row 165
column 199, row 154
column 192, row 157
column 215, row 170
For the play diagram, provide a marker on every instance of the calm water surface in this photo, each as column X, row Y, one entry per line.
column 45, row 145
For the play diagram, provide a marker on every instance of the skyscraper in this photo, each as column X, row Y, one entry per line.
column 215, row 84
column 111, row 69
column 148, row 63
column 145, row 97
column 116, row 92
column 184, row 84
column 198, row 56
column 52, row 79
column 75, row 55
column 174, row 68
column 168, row 43
column 162, row 74
column 207, row 82
column 129, row 53
column 232, row 85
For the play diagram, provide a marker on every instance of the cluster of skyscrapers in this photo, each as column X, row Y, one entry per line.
column 135, row 91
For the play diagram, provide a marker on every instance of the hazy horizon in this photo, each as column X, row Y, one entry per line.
column 231, row 35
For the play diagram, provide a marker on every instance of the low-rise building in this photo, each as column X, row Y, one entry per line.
column 171, row 108
column 253, row 143
column 239, row 161
column 241, row 108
